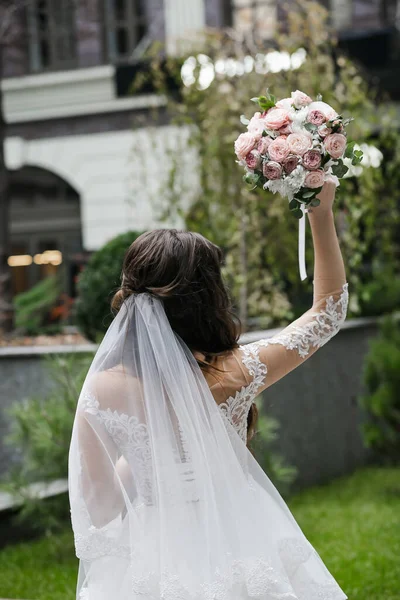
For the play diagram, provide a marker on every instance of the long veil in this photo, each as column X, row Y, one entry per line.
column 166, row 500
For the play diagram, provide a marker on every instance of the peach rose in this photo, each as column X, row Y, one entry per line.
column 314, row 179
column 312, row 160
column 323, row 131
column 272, row 170
column 285, row 103
column 276, row 118
column 278, row 149
column 335, row 144
column 324, row 108
column 256, row 125
column 290, row 163
column 285, row 130
column 253, row 159
column 263, row 145
column 316, row 117
column 299, row 143
column 300, row 99
column 244, row 144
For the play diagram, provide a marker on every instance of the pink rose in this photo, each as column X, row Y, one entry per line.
column 324, row 108
column 256, row 125
column 312, row 160
column 276, row 118
column 285, row 103
column 263, row 145
column 335, row 144
column 290, row 163
column 272, row 170
column 244, row 144
column 316, row 117
column 323, row 131
column 253, row 159
column 278, row 149
column 299, row 143
column 285, row 130
column 314, row 179
column 300, row 99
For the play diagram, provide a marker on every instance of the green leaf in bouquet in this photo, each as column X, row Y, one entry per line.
column 315, row 202
column 251, row 178
column 255, row 99
column 260, row 182
column 309, row 194
column 293, row 204
column 325, row 159
column 349, row 150
column 298, row 213
column 310, row 127
column 340, row 169
column 357, row 157
column 319, row 97
column 347, row 121
column 264, row 134
column 244, row 120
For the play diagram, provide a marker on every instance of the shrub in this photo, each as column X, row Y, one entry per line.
column 40, row 435
column 380, row 295
column 381, row 402
column 281, row 474
column 32, row 308
column 97, row 284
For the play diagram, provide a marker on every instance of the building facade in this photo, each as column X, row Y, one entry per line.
column 72, row 125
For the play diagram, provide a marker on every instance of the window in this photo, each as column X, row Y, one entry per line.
column 257, row 18
column 52, row 39
column 125, row 25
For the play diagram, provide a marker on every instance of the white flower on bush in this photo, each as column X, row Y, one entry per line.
column 372, row 157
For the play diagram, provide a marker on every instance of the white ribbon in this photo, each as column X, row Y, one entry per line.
column 302, row 245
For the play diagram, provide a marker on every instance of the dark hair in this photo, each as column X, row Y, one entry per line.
column 184, row 269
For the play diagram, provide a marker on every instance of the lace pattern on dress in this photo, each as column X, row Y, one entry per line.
column 129, row 435
column 236, row 408
column 318, row 331
column 324, row 325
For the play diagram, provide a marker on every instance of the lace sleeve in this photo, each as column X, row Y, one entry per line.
column 273, row 358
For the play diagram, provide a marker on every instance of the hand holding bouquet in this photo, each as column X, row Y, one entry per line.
column 292, row 146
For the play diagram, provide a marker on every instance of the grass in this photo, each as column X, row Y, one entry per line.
column 354, row 524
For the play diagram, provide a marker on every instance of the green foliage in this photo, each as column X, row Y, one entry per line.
column 281, row 474
column 40, row 435
column 382, row 399
column 339, row 519
column 254, row 227
column 32, row 307
column 97, row 284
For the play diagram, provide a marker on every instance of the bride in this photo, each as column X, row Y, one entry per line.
column 167, row 502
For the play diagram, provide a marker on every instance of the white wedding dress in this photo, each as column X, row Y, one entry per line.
column 166, row 500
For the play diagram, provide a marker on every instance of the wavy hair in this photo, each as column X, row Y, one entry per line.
column 183, row 268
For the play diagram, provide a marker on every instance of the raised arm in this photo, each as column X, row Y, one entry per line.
column 272, row 358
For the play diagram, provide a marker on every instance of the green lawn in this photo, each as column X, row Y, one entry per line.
column 354, row 523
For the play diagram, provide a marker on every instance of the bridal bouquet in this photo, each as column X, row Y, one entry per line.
column 292, row 146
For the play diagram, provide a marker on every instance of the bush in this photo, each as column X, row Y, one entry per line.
column 32, row 308
column 40, row 435
column 382, row 399
column 380, row 295
column 281, row 474
column 97, row 283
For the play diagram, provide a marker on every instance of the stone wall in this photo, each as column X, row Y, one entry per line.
column 316, row 404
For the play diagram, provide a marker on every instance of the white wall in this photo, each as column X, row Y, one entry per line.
column 120, row 176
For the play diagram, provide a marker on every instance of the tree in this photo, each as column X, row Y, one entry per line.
column 255, row 228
